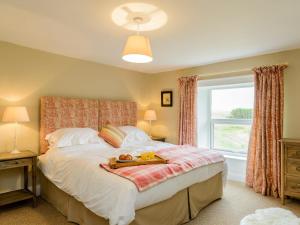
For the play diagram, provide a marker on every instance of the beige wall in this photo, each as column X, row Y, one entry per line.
column 167, row 123
column 27, row 74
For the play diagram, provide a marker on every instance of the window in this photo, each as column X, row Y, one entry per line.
column 225, row 115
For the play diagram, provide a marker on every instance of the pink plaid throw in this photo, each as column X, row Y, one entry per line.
column 181, row 159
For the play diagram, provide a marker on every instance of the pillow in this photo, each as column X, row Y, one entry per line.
column 128, row 129
column 100, row 141
column 113, row 135
column 72, row 136
column 135, row 136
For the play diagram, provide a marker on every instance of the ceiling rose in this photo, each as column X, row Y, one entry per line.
column 152, row 17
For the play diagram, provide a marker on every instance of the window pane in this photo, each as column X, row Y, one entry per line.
column 232, row 103
column 231, row 137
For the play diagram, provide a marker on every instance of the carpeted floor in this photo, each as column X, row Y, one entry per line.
column 237, row 202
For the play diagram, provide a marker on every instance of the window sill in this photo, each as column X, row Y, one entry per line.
column 243, row 158
column 230, row 155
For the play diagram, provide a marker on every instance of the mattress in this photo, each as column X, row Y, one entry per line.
column 76, row 171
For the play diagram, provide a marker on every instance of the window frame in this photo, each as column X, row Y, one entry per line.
column 212, row 121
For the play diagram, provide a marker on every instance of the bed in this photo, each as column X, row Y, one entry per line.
column 73, row 182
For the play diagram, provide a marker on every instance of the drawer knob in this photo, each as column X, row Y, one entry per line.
column 298, row 168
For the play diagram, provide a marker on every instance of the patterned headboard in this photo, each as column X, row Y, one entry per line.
column 118, row 113
column 61, row 112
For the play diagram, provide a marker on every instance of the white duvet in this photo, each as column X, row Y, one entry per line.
column 76, row 171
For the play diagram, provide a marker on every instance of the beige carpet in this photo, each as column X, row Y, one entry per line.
column 237, row 202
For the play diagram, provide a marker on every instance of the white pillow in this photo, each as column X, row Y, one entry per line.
column 134, row 136
column 73, row 136
column 99, row 140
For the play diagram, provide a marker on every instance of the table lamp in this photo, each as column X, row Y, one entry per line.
column 150, row 115
column 15, row 114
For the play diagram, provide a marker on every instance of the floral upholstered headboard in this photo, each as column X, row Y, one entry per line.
column 118, row 113
column 62, row 112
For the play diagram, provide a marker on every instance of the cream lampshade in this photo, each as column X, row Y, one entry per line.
column 137, row 49
column 15, row 114
column 150, row 115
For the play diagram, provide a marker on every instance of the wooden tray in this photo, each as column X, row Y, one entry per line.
column 115, row 165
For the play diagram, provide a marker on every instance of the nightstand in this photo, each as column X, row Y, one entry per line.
column 162, row 139
column 290, row 168
column 23, row 159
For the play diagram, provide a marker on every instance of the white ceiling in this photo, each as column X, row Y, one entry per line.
column 197, row 32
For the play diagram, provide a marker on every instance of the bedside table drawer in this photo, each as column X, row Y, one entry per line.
column 15, row 163
column 293, row 167
column 293, row 153
column 293, row 184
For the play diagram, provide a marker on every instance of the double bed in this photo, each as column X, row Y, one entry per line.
column 74, row 183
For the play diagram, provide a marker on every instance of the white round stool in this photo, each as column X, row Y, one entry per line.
column 271, row 216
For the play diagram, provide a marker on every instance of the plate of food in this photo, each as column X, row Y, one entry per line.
column 126, row 158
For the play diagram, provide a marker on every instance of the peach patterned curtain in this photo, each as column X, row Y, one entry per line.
column 263, row 166
column 187, row 110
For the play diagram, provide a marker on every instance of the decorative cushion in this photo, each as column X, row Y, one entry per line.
column 112, row 135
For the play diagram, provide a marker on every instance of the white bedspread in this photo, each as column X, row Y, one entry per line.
column 76, row 171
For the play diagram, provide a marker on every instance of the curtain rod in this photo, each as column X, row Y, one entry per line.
column 234, row 72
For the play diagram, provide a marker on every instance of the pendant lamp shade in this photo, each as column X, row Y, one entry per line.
column 137, row 49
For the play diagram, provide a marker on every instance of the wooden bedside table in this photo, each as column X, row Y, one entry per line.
column 290, row 168
column 162, row 139
column 23, row 159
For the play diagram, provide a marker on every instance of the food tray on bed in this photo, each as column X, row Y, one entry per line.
column 114, row 164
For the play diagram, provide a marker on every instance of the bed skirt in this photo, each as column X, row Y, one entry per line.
column 179, row 209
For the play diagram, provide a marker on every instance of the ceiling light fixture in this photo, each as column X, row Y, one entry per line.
column 138, row 17
column 137, row 48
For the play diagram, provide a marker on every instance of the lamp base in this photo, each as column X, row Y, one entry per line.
column 15, row 151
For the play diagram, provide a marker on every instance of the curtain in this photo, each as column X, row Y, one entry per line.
column 187, row 110
column 263, row 164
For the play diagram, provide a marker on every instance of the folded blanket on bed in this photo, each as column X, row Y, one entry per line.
column 181, row 159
